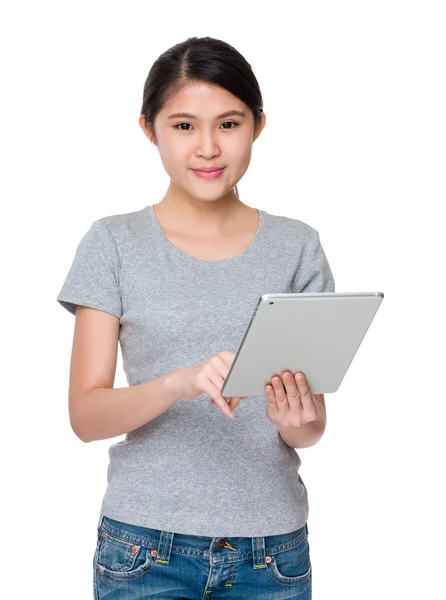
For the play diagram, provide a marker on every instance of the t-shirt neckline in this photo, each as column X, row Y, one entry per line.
column 252, row 246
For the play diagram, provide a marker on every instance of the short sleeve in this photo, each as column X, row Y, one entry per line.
column 313, row 273
column 94, row 276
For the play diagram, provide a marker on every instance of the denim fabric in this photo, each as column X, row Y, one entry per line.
column 136, row 563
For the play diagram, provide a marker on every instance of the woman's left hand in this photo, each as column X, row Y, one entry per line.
column 290, row 401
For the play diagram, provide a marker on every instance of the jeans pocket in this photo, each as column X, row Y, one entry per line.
column 119, row 559
column 292, row 566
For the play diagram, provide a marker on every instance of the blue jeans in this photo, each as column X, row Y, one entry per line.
column 138, row 563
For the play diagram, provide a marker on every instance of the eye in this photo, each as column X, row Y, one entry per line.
column 175, row 126
column 231, row 122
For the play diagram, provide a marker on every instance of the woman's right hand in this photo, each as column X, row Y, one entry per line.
column 208, row 377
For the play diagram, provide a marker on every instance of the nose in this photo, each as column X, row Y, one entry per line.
column 207, row 146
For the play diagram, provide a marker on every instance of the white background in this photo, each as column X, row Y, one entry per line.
column 354, row 145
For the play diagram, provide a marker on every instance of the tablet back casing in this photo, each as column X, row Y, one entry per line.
column 316, row 333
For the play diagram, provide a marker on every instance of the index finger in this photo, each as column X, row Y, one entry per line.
column 216, row 396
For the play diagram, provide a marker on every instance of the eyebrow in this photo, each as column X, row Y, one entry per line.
column 228, row 113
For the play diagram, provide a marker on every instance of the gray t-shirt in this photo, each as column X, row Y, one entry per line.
column 192, row 470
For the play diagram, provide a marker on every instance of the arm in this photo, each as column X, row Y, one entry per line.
column 314, row 274
column 104, row 413
column 97, row 411
column 310, row 433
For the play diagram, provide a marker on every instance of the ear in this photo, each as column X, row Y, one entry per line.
column 260, row 126
column 148, row 131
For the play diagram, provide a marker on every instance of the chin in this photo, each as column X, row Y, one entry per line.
column 208, row 195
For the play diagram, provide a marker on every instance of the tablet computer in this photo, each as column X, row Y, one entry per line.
column 316, row 333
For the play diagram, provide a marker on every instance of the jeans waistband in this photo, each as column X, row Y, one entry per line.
column 221, row 549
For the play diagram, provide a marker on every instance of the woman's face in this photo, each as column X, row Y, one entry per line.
column 204, row 138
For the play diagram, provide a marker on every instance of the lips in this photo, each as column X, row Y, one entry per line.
column 209, row 169
column 210, row 173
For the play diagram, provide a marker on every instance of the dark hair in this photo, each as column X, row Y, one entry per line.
column 200, row 59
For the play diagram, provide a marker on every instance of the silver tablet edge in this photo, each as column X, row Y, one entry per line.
column 266, row 297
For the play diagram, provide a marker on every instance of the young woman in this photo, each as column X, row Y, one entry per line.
column 196, row 502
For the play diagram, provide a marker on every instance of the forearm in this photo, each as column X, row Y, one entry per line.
column 104, row 413
column 305, row 435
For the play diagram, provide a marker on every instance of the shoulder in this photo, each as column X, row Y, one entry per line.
column 117, row 234
column 124, row 223
column 293, row 229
